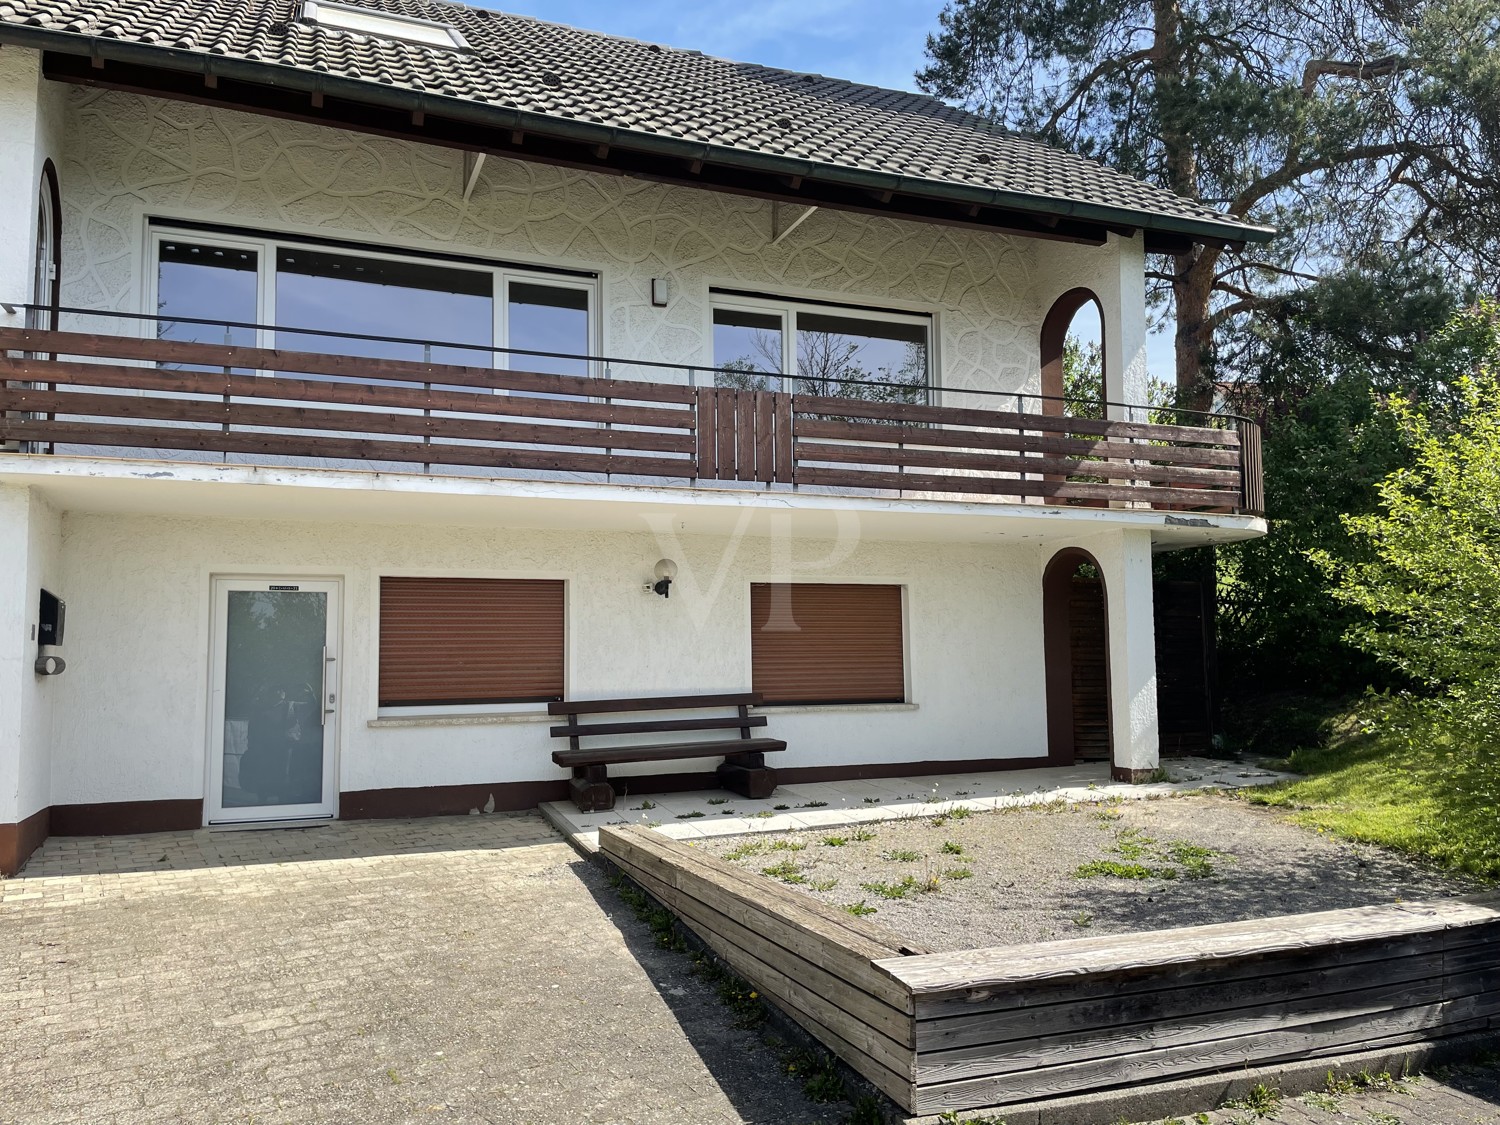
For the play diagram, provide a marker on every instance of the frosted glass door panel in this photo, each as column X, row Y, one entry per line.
column 274, row 669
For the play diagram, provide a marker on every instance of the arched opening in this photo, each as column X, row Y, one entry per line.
column 1075, row 630
column 1073, row 356
column 46, row 286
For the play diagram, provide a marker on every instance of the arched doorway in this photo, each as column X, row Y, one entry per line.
column 1087, row 331
column 1075, row 629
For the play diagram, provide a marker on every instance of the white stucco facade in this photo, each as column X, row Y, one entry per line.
column 135, row 546
column 131, row 709
column 130, row 159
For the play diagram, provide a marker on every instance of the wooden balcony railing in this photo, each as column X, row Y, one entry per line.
column 69, row 392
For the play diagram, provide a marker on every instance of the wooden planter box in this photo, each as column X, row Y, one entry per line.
column 988, row 1027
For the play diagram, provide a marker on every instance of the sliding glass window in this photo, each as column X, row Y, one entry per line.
column 371, row 304
column 762, row 344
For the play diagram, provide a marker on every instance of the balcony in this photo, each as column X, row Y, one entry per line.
column 118, row 395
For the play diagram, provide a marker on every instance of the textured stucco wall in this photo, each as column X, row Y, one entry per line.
column 30, row 539
column 32, row 124
column 133, row 157
column 132, row 710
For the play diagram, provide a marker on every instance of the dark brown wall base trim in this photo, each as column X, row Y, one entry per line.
column 126, row 818
column 448, row 800
column 18, row 841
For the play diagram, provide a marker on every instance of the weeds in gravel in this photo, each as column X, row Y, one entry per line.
column 859, row 909
column 1260, row 1101
column 1317, row 1099
column 1083, row 919
column 901, row 855
column 834, row 841
column 958, row 873
column 744, row 851
column 788, row 871
column 907, row 887
column 1132, row 843
column 1114, row 869
column 823, row 884
column 867, row 1110
column 860, row 835
column 788, row 846
column 821, row 1080
column 960, row 813
column 950, row 848
column 1196, row 860
column 1144, row 857
column 952, row 1118
column 1340, row 1084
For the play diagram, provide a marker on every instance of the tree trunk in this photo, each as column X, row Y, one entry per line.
column 1192, row 289
column 1193, row 272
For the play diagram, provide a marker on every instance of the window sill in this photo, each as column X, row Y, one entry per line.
column 483, row 720
column 835, row 708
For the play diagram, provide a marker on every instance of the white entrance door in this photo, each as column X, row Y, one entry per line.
column 274, row 714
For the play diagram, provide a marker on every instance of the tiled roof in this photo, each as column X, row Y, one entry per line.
column 643, row 92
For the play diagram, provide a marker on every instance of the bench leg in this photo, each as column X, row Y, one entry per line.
column 748, row 775
column 591, row 790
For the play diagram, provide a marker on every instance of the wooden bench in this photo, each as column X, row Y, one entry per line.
column 743, row 771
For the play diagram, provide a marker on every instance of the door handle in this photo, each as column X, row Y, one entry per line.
column 324, row 698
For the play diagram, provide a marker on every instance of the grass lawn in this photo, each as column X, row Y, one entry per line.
column 1382, row 777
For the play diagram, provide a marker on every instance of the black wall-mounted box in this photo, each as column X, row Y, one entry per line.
column 54, row 610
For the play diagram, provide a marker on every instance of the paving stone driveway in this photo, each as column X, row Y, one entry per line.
column 467, row 969
column 458, row 970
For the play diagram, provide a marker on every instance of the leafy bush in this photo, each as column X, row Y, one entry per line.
column 1429, row 590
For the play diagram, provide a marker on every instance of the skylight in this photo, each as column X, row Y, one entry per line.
column 383, row 25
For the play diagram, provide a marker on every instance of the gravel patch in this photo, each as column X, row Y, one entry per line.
column 1073, row 870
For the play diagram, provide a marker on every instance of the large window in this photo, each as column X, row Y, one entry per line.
column 447, row 642
column 312, row 293
column 827, row 642
column 761, row 344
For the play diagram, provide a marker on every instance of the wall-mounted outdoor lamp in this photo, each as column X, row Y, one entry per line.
column 659, row 292
column 666, row 570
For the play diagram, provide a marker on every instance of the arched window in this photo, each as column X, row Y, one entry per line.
column 1064, row 325
column 47, row 257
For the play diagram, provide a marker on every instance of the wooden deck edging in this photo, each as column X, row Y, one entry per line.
column 958, row 1031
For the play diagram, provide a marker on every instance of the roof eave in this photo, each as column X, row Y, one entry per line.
column 359, row 90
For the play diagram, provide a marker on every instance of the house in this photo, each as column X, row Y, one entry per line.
column 368, row 365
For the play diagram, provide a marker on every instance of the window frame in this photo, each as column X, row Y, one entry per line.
column 788, row 308
column 268, row 247
column 313, row 11
column 904, row 614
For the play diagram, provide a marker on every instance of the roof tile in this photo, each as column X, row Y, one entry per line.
column 554, row 70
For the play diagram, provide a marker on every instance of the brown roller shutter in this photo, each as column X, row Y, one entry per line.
column 470, row 640
column 827, row 643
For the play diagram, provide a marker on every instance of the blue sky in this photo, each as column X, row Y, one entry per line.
column 874, row 41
